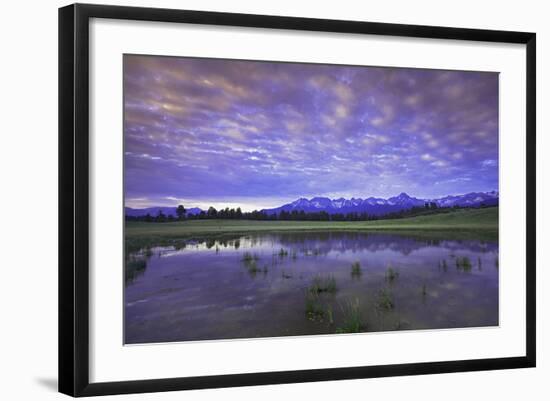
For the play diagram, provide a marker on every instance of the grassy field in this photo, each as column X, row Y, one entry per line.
column 465, row 220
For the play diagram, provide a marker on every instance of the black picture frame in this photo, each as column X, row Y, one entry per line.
column 74, row 198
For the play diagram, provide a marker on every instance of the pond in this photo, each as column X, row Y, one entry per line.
column 306, row 283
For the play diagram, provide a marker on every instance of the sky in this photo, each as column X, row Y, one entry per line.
column 230, row 133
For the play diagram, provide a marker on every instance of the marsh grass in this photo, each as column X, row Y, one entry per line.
column 252, row 267
column 134, row 267
column 391, row 274
column 330, row 315
column 250, row 257
column 385, row 300
column 356, row 270
column 283, row 253
column 250, row 261
column 479, row 263
column 313, row 307
column 352, row 318
column 179, row 245
column 464, row 264
column 322, row 284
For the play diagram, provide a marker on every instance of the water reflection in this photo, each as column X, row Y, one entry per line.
column 264, row 285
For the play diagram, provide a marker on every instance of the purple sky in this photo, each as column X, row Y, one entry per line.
column 202, row 132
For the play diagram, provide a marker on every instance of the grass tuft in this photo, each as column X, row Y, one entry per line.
column 250, row 261
column 464, row 264
column 283, row 253
column 134, row 267
column 356, row 269
column 385, row 300
column 323, row 284
column 391, row 274
column 250, row 257
column 352, row 318
column 330, row 316
column 314, row 308
column 252, row 267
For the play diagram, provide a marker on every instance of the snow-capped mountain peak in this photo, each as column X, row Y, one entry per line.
column 380, row 206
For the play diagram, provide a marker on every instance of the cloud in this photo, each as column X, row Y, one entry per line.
column 489, row 163
column 427, row 157
column 214, row 129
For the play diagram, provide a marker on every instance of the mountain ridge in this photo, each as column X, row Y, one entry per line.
column 371, row 205
column 380, row 206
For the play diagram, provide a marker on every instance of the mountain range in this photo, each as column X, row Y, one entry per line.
column 381, row 206
column 372, row 206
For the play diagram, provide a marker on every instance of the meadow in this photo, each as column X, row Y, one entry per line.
column 469, row 220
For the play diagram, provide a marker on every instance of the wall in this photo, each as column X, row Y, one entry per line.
column 28, row 162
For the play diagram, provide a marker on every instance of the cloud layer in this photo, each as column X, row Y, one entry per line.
column 208, row 131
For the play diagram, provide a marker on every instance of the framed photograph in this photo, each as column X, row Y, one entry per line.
column 250, row 199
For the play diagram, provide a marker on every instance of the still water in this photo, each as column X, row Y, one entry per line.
column 287, row 284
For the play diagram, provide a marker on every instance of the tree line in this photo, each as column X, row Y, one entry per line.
column 294, row 215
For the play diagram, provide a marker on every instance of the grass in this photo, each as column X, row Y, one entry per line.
column 352, row 318
column 464, row 264
column 250, row 261
column 282, row 253
column 250, row 257
column 385, row 300
column 330, row 316
column 471, row 220
column 314, row 307
column 391, row 274
column 134, row 267
column 252, row 267
column 322, row 284
column 356, row 269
